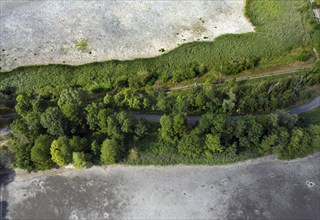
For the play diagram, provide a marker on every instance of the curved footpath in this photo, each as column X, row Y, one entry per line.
column 239, row 79
column 306, row 107
column 193, row 119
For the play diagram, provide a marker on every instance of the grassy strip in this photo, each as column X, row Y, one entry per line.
column 281, row 37
column 175, row 158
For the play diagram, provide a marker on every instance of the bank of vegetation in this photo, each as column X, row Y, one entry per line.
column 55, row 128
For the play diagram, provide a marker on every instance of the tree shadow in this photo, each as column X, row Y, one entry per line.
column 6, row 176
column 3, row 209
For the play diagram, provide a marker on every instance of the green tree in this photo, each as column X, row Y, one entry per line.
column 293, row 149
column 24, row 105
column 287, row 120
column 254, row 131
column 74, row 96
column 108, row 99
column 79, row 160
column 113, row 128
column 213, row 143
column 96, row 150
column 109, row 151
column 103, row 119
column 126, row 122
column 314, row 131
column 39, row 105
column 181, row 105
column 166, row 130
column 61, row 151
column 231, row 150
column 229, row 104
column 200, row 100
column 282, row 142
column 73, row 113
column 135, row 102
column 239, row 127
column 78, row 144
column 133, row 154
column 190, row 145
column 40, row 152
column 219, row 124
column 162, row 104
column 53, row 120
column 140, row 130
column 35, row 128
column 179, row 125
column 22, row 154
column 205, row 122
column 146, row 103
column 267, row 143
column 119, row 99
column 92, row 115
column 20, row 131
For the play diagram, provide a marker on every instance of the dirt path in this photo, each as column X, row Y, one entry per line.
column 306, row 107
column 193, row 119
column 9, row 116
column 273, row 73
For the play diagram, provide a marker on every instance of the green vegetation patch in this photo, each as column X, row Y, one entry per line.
column 82, row 45
column 79, row 127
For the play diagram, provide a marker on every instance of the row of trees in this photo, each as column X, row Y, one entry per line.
column 73, row 126
column 231, row 97
column 65, row 130
column 221, row 134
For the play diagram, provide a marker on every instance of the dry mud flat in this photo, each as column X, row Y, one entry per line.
column 258, row 189
column 41, row 32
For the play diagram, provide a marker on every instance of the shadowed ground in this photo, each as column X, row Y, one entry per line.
column 264, row 188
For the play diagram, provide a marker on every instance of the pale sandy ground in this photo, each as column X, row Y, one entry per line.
column 264, row 188
column 41, row 32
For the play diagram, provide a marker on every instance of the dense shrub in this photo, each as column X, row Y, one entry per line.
column 61, row 151
column 79, row 160
column 191, row 145
column 40, row 153
column 109, row 151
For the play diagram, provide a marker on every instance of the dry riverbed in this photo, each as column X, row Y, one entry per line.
column 264, row 188
column 41, row 32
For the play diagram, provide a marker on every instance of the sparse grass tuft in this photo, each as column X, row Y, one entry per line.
column 82, row 44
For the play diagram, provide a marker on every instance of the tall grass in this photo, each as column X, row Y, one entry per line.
column 280, row 30
column 146, row 158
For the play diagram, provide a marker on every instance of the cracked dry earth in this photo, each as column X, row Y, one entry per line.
column 42, row 32
column 264, row 188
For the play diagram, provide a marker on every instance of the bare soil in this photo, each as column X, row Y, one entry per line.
column 42, row 32
column 264, row 188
